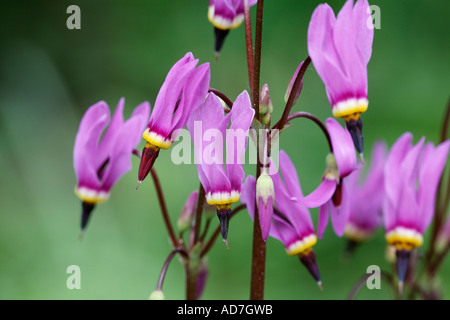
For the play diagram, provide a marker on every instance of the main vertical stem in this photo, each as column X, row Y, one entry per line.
column 259, row 246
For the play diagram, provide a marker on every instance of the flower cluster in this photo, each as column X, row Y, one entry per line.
column 399, row 189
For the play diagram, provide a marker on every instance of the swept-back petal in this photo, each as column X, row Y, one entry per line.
column 431, row 168
column 236, row 139
column 194, row 93
column 91, row 127
column 343, row 147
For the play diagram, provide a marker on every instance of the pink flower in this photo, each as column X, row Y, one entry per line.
column 184, row 88
column 100, row 161
column 411, row 178
column 208, row 123
column 330, row 196
column 340, row 49
column 291, row 221
column 366, row 197
column 225, row 15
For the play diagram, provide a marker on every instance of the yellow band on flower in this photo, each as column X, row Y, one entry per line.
column 156, row 139
column 91, row 196
column 224, row 24
column 350, row 109
column 302, row 246
column 404, row 239
column 222, row 198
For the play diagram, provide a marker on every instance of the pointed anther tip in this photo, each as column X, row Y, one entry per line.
column 361, row 157
column 216, row 57
column 226, row 243
column 319, row 283
column 400, row 287
column 139, row 183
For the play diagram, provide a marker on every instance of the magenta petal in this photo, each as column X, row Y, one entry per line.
column 114, row 126
column 322, row 194
column 389, row 213
column 265, row 216
column 345, row 39
column 194, row 94
column 392, row 167
column 142, row 111
column 323, row 53
column 236, row 139
column 340, row 215
column 432, row 165
column 248, row 195
column 169, row 95
column 343, row 147
column 120, row 154
column 290, row 176
column 323, row 218
column 365, row 29
column 91, row 127
column 207, row 126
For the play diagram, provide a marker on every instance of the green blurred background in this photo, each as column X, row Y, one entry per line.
column 50, row 75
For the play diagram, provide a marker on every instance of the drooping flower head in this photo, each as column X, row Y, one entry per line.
column 291, row 221
column 366, row 197
column 226, row 15
column 208, row 128
column 411, row 178
column 331, row 195
column 184, row 88
column 340, row 49
column 100, row 161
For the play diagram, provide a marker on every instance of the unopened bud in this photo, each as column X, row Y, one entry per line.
column 265, row 104
column 149, row 155
column 187, row 214
column 265, row 198
column 264, row 188
column 291, row 84
column 157, row 295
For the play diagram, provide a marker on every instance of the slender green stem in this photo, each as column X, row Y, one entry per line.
column 222, row 96
column 249, row 44
column 166, row 266
column 259, row 245
column 315, row 120
column 163, row 206
column 363, row 280
column 198, row 214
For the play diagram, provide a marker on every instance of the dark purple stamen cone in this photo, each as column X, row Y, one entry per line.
column 224, row 218
column 309, row 261
column 149, row 155
column 402, row 266
column 351, row 246
column 355, row 129
column 337, row 195
column 220, row 36
column 86, row 210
